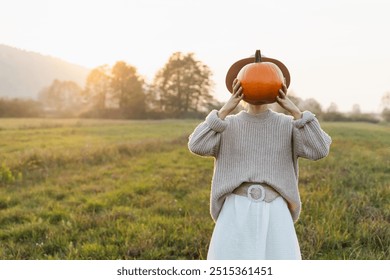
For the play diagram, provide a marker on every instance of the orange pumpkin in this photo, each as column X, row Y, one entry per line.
column 260, row 81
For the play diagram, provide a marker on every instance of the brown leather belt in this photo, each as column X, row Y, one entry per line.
column 257, row 192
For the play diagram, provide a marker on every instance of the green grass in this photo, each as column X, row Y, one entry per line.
column 88, row 189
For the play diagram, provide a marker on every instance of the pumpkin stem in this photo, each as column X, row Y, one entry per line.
column 258, row 56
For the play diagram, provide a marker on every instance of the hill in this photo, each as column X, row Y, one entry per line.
column 23, row 73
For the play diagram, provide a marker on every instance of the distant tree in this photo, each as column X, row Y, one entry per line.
column 356, row 115
column 356, row 109
column 332, row 114
column 386, row 114
column 20, row 108
column 128, row 89
column 183, row 86
column 385, row 105
column 333, row 108
column 385, row 100
column 62, row 96
column 152, row 102
column 313, row 106
column 98, row 87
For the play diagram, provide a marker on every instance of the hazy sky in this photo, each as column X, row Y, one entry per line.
column 336, row 50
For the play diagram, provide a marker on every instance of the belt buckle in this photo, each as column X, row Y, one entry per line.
column 256, row 193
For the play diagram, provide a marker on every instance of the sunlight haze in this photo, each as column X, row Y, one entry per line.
column 336, row 50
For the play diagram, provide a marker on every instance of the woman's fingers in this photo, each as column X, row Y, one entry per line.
column 237, row 89
column 236, row 85
column 282, row 95
column 235, row 82
column 284, row 88
column 239, row 93
column 283, row 91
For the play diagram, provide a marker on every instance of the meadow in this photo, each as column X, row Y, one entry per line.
column 92, row 189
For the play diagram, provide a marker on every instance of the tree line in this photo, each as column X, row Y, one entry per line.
column 332, row 113
column 181, row 88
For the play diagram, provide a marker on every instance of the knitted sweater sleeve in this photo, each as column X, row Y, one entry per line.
column 310, row 141
column 205, row 139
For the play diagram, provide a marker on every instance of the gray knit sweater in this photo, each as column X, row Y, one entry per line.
column 261, row 148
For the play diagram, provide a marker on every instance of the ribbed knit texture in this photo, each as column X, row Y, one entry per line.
column 261, row 148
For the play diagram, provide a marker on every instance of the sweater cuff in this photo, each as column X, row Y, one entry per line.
column 214, row 122
column 307, row 117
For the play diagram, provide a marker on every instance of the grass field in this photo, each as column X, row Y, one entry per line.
column 87, row 189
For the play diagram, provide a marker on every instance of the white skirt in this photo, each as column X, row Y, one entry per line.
column 249, row 230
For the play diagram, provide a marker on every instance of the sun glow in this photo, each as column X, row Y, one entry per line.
column 321, row 44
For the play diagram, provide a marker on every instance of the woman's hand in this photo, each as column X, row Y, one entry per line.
column 287, row 104
column 234, row 100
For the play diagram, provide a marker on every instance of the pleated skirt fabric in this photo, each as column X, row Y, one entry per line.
column 249, row 230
